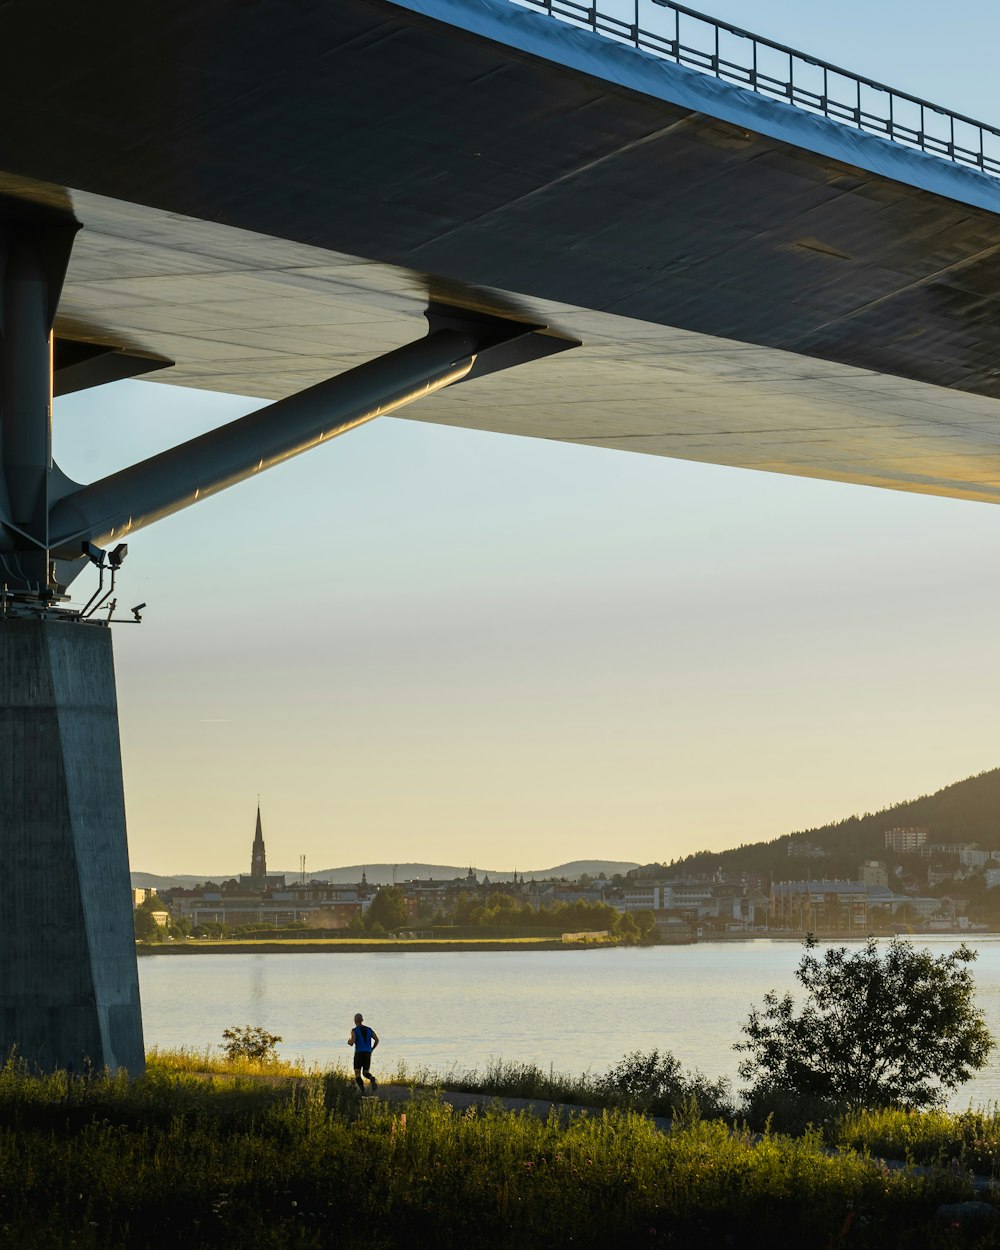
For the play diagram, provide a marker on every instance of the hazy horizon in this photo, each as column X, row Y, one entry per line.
column 506, row 650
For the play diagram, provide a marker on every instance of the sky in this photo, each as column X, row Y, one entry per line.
column 419, row 643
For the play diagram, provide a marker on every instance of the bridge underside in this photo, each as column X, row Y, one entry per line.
column 273, row 194
column 267, row 201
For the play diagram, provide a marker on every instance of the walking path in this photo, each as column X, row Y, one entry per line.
column 461, row 1101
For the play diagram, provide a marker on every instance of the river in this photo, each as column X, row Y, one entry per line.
column 574, row 1010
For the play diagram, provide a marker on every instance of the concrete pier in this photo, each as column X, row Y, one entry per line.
column 69, row 992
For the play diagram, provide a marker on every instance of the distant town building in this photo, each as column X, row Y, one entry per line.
column 260, row 897
column 257, row 880
column 973, row 857
column 872, row 872
column 905, row 841
column 828, row 906
column 800, row 848
column 142, row 895
column 646, row 897
column 969, row 854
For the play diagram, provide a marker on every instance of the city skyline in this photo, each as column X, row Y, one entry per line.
column 464, row 641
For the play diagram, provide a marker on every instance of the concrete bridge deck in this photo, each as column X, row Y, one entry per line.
column 269, row 195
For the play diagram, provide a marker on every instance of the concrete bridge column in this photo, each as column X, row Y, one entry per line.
column 69, row 991
column 69, row 994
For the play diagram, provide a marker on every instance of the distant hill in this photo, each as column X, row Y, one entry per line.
column 966, row 811
column 381, row 874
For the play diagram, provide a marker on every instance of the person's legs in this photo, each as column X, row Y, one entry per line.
column 367, row 1061
column 357, row 1072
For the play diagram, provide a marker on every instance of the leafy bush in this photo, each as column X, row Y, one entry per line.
column 769, row 1109
column 251, row 1042
column 898, row 1028
column 655, row 1083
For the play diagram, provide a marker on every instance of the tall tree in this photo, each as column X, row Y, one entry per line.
column 897, row 1027
column 388, row 908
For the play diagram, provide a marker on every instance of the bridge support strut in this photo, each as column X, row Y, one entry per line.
column 69, row 991
column 69, row 995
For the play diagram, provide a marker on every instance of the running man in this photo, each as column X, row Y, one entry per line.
column 364, row 1040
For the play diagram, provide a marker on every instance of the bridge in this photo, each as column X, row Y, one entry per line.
column 621, row 224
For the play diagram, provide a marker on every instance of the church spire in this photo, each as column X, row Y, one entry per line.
column 258, row 859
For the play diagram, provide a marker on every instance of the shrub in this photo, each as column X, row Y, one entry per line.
column 250, row 1042
column 655, row 1083
column 769, row 1109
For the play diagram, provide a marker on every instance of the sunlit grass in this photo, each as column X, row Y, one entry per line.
column 970, row 1139
column 213, row 1060
column 105, row 1163
column 525, row 1080
column 215, row 944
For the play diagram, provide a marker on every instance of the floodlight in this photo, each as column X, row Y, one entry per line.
column 93, row 553
column 117, row 555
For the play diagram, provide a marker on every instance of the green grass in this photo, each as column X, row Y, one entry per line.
column 213, row 1060
column 969, row 1139
column 233, row 1162
column 652, row 1084
column 522, row 1080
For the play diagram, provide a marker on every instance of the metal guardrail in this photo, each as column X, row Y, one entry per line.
column 691, row 38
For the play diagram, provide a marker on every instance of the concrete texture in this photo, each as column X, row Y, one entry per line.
column 753, row 285
column 69, row 991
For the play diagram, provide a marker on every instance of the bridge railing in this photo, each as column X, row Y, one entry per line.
column 680, row 34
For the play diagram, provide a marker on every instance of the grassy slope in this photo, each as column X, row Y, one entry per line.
column 172, row 1159
column 235, row 1160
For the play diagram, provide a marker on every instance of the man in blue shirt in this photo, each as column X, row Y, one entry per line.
column 364, row 1040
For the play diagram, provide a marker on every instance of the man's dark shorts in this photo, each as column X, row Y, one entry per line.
column 362, row 1060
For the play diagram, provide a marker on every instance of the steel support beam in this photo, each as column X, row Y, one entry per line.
column 26, row 387
column 109, row 509
column 124, row 502
column 33, row 258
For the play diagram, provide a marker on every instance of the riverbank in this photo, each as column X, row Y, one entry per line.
column 365, row 946
column 370, row 945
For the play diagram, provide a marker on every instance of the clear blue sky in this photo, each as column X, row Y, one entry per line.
column 426, row 643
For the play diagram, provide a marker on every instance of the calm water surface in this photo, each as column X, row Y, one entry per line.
column 576, row 1010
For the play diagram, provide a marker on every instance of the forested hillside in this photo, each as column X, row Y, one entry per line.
column 967, row 811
